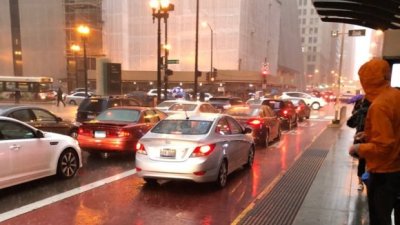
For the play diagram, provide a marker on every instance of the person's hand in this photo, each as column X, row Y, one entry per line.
column 353, row 151
column 360, row 136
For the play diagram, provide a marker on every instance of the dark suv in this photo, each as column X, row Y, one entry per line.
column 93, row 106
column 285, row 110
column 224, row 103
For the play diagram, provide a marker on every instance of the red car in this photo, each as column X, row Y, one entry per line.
column 117, row 129
column 263, row 121
column 285, row 110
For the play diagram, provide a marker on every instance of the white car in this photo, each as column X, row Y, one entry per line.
column 201, row 148
column 153, row 92
column 163, row 106
column 314, row 102
column 27, row 153
column 190, row 108
column 76, row 98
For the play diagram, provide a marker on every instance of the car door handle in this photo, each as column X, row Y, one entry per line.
column 15, row 147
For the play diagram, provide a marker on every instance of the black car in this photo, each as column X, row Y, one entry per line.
column 263, row 121
column 303, row 110
column 40, row 118
column 93, row 106
column 285, row 110
column 224, row 103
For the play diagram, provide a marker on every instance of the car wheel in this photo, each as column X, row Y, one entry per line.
column 278, row 137
column 68, row 164
column 315, row 106
column 222, row 174
column 266, row 139
column 250, row 157
column 150, row 181
column 72, row 102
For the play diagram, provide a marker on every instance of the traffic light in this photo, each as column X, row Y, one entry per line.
column 169, row 72
column 265, row 69
column 214, row 73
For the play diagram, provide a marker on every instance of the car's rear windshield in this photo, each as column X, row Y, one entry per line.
column 182, row 107
column 187, row 127
column 119, row 115
column 93, row 105
column 243, row 111
column 274, row 104
column 165, row 104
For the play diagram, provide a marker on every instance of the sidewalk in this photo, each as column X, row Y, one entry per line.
column 319, row 189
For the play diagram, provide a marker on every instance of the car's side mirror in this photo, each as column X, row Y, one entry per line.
column 247, row 130
column 39, row 134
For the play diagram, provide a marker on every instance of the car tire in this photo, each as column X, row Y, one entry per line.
column 266, row 139
column 250, row 158
column 72, row 102
column 315, row 106
column 150, row 181
column 222, row 175
column 68, row 164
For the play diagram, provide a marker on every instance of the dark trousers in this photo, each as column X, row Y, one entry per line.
column 361, row 167
column 60, row 100
column 383, row 190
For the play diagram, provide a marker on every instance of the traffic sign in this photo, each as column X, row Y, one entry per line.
column 353, row 33
column 173, row 61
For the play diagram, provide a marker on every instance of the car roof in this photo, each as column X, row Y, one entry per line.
column 197, row 116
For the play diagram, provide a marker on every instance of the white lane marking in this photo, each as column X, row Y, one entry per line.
column 47, row 201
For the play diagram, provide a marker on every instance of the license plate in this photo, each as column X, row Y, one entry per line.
column 99, row 134
column 166, row 152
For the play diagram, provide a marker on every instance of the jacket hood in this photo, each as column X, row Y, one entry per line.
column 373, row 77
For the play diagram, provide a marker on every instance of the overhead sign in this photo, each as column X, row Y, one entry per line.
column 355, row 33
column 173, row 61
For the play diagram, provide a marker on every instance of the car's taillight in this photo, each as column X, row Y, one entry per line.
column 140, row 148
column 84, row 131
column 285, row 112
column 123, row 133
column 298, row 109
column 254, row 122
column 203, row 150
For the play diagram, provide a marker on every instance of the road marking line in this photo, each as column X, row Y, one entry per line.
column 53, row 199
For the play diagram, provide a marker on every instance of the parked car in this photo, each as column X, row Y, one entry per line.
column 189, row 108
column 285, row 110
column 40, row 118
column 207, row 96
column 76, row 98
column 224, row 103
column 201, row 148
column 314, row 102
column 93, row 106
column 265, row 124
column 153, row 92
column 27, row 153
column 117, row 129
column 141, row 96
column 302, row 109
column 81, row 89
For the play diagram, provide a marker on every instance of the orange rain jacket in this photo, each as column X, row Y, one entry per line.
column 382, row 125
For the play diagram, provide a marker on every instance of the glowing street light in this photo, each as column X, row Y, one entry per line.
column 84, row 31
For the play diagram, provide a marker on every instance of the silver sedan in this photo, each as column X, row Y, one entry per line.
column 202, row 148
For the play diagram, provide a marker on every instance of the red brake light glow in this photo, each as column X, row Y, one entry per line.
column 140, row 148
column 285, row 112
column 203, row 150
column 254, row 122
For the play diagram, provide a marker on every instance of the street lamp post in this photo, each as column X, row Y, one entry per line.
column 160, row 11
column 75, row 49
column 212, row 49
column 84, row 31
column 196, row 56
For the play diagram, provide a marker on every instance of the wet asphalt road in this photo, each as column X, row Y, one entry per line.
column 130, row 201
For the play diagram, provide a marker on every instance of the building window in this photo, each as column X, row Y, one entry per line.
column 314, row 57
column 309, row 40
column 310, row 31
column 312, row 11
column 315, row 49
column 302, row 40
column 315, row 30
column 304, row 11
column 303, row 21
column 303, row 30
column 315, row 40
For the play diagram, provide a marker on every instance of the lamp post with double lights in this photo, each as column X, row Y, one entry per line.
column 160, row 10
column 75, row 49
column 205, row 24
column 84, row 31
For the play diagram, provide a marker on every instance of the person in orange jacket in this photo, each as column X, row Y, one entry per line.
column 381, row 145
